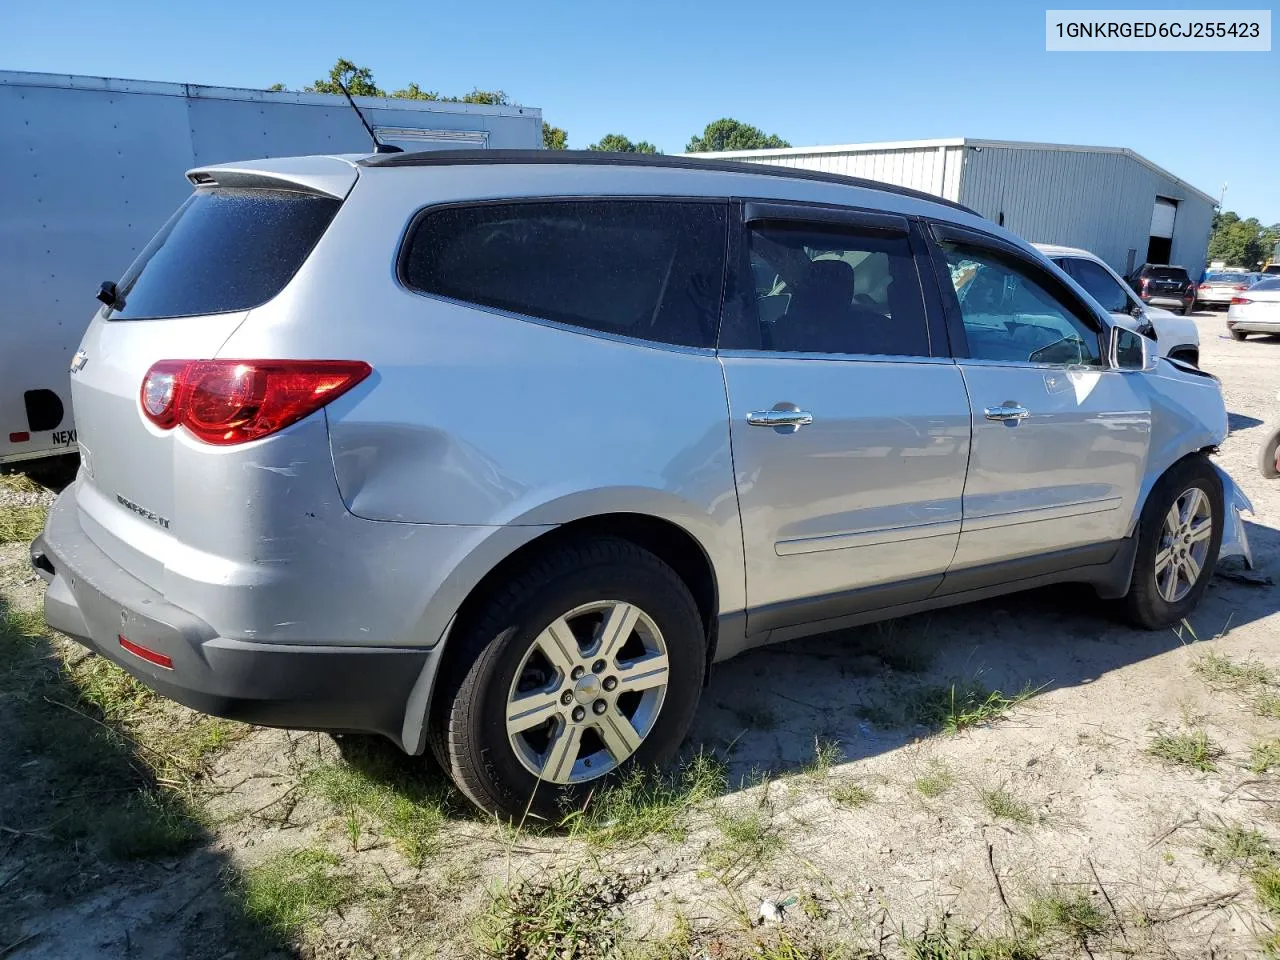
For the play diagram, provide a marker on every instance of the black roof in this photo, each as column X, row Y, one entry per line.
column 430, row 158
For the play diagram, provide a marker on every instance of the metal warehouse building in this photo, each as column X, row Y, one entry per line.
column 1108, row 200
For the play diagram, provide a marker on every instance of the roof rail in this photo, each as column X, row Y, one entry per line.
column 431, row 158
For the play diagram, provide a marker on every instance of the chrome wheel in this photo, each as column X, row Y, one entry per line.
column 588, row 692
column 1184, row 544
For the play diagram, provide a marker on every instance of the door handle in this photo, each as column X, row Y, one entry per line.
column 1007, row 411
column 779, row 418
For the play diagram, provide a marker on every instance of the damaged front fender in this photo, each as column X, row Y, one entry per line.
column 1235, row 543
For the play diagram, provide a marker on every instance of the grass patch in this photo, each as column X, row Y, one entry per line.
column 748, row 841
column 150, row 825
column 1234, row 844
column 645, row 803
column 1267, row 705
column 558, row 916
column 945, row 942
column 1264, row 756
column 826, row 754
column 935, row 782
column 1266, row 884
column 961, row 706
column 851, row 794
column 1191, row 748
column 21, row 524
column 759, row 717
column 1054, row 917
column 1219, row 670
column 287, row 892
column 1003, row 805
column 382, row 791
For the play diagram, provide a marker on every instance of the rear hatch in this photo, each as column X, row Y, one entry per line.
column 1167, row 280
column 233, row 245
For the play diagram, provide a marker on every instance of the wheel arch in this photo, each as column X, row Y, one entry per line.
column 670, row 541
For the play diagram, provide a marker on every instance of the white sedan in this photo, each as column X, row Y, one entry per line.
column 1256, row 310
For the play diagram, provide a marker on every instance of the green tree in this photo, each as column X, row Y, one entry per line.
column 415, row 92
column 277, row 88
column 554, row 138
column 496, row 98
column 357, row 80
column 1236, row 242
column 617, row 143
column 727, row 134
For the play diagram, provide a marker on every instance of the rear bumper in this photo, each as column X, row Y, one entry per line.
column 93, row 600
column 1253, row 326
column 1168, row 300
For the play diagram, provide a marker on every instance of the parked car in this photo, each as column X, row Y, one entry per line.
column 495, row 453
column 1255, row 310
column 1217, row 288
column 1178, row 337
column 1164, row 286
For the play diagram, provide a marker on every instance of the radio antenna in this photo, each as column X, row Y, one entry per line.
column 378, row 146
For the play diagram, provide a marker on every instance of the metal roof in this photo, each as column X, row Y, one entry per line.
column 955, row 142
column 680, row 161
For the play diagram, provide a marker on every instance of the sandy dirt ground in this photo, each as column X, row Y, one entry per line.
column 867, row 828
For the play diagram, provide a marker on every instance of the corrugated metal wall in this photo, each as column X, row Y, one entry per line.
column 1099, row 201
column 931, row 169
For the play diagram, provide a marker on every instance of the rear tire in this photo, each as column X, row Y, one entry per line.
column 1236, row 334
column 511, row 758
column 1174, row 561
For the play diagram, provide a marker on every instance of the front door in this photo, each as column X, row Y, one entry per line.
column 1059, row 439
column 849, row 421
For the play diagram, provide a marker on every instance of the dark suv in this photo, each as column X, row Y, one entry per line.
column 1163, row 286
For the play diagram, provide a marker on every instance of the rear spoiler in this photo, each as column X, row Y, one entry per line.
column 323, row 176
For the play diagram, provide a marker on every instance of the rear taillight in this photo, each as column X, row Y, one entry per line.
column 1242, row 286
column 235, row 401
column 1241, row 300
column 1146, row 282
column 1204, row 286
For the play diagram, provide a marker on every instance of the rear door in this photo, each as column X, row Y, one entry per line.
column 848, row 419
column 1059, row 440
column 226, row 250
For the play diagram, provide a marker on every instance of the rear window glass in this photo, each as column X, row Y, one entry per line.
column 1262, row 286
column 1167, row 273
column 638, row 268
column 1229, row 278
column 224, row 250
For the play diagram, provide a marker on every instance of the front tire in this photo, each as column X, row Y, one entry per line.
column 1179, row 535
column 588, row 663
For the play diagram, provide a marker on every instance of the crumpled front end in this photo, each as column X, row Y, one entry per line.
column 1235, row 542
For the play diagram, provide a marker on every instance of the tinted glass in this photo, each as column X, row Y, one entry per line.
column 1262, row 286
column 1008, row 315
column 648, row 269
column 1100, row 285
column 1166, row 273
column 224, row 250
column 821, row 290
column 1229, row 278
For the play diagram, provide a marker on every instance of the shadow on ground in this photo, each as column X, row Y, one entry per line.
column 98, row 859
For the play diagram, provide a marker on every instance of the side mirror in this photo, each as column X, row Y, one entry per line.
column 1130, row 350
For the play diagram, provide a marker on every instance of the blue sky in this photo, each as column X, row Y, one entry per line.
column 822, row 71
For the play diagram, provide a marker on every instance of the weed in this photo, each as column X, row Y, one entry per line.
column 876, row 715
column 1234, row 844
column 149, row 825
column 1004, row 805
column 645, row 803
column 937, row 781
column 961, row 706
column 561, row 915
column 292, row 889
column 21, row 524
column 826, row 753
column 849, row 794
column 1219, row 670
column 1188, row 749
column 1057, row 916
column 1266, row 884
column 1267, row 705
column 409, row 808
column 1264, row 756
column 944, row 942
column 749, row 840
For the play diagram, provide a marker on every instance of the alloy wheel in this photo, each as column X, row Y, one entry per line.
column 1184, row 544
column 587, row 692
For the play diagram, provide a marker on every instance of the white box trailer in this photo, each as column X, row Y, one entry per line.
column 90, row 167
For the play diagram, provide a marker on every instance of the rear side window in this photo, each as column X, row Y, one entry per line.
column 638, row 268
column 224, row 250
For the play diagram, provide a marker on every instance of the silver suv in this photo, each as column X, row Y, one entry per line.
column 496, row 453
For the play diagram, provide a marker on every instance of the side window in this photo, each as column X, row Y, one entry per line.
column 820, row 289
column 639, row 268
column 1101, row 285
column 1009, row 316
